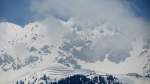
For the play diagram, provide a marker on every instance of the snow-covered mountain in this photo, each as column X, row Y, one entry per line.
column 66, row 49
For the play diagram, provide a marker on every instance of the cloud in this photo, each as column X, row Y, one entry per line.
column 94, row 10
column 106, row 14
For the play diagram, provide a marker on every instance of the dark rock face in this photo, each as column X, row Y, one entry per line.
column 6, row 59
column 76, row 79
column 135, row 75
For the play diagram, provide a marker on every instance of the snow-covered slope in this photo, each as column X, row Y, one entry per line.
column 58, row 73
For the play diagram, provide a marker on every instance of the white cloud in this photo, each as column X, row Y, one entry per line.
column 86, row 14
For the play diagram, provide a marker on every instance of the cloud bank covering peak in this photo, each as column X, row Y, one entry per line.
column 103, row 15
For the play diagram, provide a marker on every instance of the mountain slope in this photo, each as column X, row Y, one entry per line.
column 33, row 50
